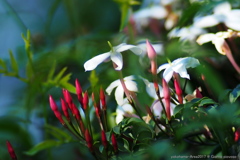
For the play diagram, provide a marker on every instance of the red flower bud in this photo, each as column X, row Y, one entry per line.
column 89, row 140
column 114, row 143
column 198, row 93
column 79, row 92
column 167, row 98
column 54, row 108
column 68, row 98
column 103, row 99
column 104, row 139
column 65, row 109
column 96, row 105
column 178, row 91
column 11, row 151
column 237, row 135
column 85, row 101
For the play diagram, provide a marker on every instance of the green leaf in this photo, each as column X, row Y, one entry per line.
column 3, row 64
column 125, row 12
column 71, row 88
column 233, row 96
column 42, row 146
column 58, row 133
column 59, row 75
column 206, row 101
column 93, row 78
column 51, row 71
column 14, row 64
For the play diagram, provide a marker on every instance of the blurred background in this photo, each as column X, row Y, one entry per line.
column 63, row 34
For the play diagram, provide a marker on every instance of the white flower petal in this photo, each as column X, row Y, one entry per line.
column 116, row 57
column 222, row 8
column 162, row 67
column 205, row 38
column 92, row 63
column 167, row 74
column 125, row 47
column 113, row 85
column 131, row 86
column 207, row 21
column 119, row 93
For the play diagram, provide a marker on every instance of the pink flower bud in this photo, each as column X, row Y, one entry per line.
column 54, row 108
column 89, row 140
column 178, row 91
column 11, row 151
column 85, row 101
column 68, row 98
column 114, row 143
column 150, row 50
column 79, row 91
column 167, row 97
column 65, row 109
column 104, row 139
column 96, row 105
column 103, row 99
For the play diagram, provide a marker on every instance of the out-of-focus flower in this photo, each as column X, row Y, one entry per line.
column 186, row 33
column 119, row 92
column 114, row 54
column 179, row 66
column 126, row 110
column 143, row 17
column 158, row 47
column 222, row 13
column 151, row 89
column 218, row 40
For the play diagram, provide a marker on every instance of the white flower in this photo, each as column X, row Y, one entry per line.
column 179, row 66
column 119, row 92
column 150, row 89
column 115, row 55
column 126, row 110
column 218, row 40
column 222, row 13
column 187, row 33
column 157, row 108
column 143, row 16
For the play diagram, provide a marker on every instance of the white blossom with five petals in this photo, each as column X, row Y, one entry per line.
column 115, row 55
column 179, row 66
column 119, row 92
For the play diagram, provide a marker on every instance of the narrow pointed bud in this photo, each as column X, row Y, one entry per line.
column 150, row 50
column 65, row 109
column 85, row 101
column 104, row 139
column 103, row 99
column 54, row 108
column 167, row 98
column 114, row 143
column 76, row 114
column 89, row 140
column 68, row 98
column 11, row 151
column 96, row 106
column 152, row 56
column 79, row 92
column 178, row 90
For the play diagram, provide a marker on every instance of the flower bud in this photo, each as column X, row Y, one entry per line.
column 65, row 109
column 85, row 101
column 89, row 140
column 150, row 50
column 104, row 139
column 237, row 135
column 54, row 108
column 167, row 97
column 178, row 91
column 79, row 92
column 103, row 99
column 11, row 151
column 114, row 143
